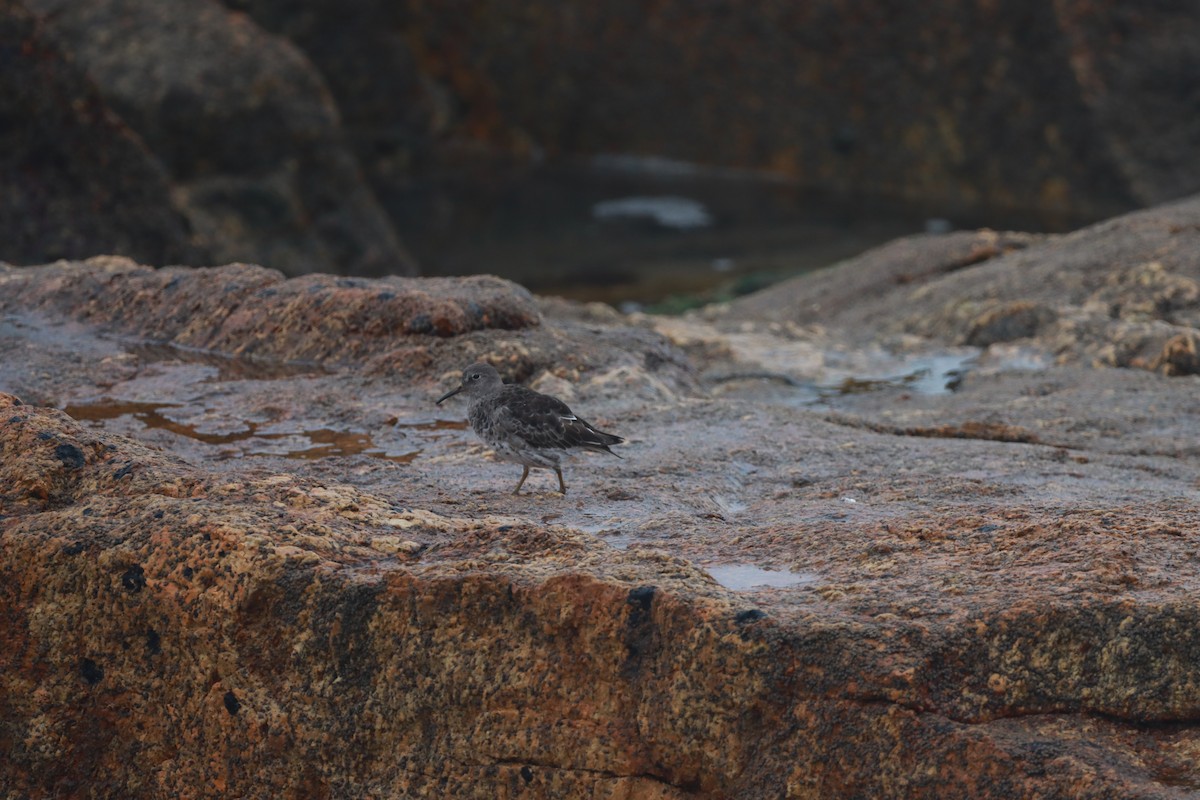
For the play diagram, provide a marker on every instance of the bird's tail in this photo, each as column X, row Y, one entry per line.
column 600, row 441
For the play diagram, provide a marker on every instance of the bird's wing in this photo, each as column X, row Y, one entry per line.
column 546, row 422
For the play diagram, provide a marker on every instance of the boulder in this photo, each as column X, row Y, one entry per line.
column 243, row 126
column 1075, row 109
column 417, row 330
column 75, row 180
column 242, row 553
column 1123, row 293
column 170, row 629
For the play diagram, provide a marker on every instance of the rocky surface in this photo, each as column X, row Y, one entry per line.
column 1123, row 293
column 404, row 329
column 250, row 557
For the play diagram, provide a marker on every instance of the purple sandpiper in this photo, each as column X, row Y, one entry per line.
column 524, row 426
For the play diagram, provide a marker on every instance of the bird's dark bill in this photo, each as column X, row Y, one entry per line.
column 449, row 394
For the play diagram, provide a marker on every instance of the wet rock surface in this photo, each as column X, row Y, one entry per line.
column 816, row 571
column 400, row 328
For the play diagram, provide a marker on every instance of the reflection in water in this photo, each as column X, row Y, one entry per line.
column 603, row 232
column 337, row 443
column 624, row 228
column 323, row 441
column 936, row 373
column 933, row 374
column 679, row 213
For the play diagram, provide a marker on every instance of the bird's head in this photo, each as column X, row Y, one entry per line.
column 476, row 379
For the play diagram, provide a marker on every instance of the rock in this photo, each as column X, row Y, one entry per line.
column 391, row 110
column 255, row 620
column 276, row 125
column 244, row 127
column 1123, row 293
column 416, row 329
column 1071, row 108
column 262, row 621
column 1178, row 356
column 77, row 181
column 1125, row 61
column 243, row 309
column 818, row 297
column 264, row 131
column 230, row 576
column 215, row 572
column 1009, row 321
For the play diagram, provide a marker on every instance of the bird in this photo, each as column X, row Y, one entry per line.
column 532, row 429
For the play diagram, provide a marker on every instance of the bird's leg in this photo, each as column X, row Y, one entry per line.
column 521, row 482
column 562, row 487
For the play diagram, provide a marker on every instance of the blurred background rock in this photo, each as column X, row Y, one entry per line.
column 617, row 150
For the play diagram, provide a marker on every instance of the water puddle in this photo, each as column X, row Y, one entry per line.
column 933, row 374
column 742, row 577
column 326, row 442
column 652, row 230
column 306, row 444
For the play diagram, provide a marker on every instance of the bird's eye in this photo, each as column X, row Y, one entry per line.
column 475, row 377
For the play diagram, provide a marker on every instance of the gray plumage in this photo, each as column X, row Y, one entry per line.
column 527, row 427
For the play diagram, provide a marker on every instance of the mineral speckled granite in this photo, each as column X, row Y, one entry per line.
column 170, row 631
column 292, row 575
